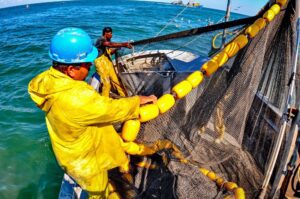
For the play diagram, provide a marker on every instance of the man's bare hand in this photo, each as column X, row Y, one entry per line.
column 148, row 99
column 128, row 45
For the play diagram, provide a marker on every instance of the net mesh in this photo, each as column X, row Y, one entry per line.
column 228, row 124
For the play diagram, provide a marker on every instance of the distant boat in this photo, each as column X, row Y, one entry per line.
column 177, row 2
column 191, row 3
column 27, row 6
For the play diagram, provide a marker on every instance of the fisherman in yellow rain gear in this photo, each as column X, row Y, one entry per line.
column 104, row 65
column 79, row 120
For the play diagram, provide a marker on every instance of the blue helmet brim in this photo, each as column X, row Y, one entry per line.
column 91, row 56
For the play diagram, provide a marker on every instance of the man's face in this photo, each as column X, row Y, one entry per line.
column 108, row 35
column 79, row 72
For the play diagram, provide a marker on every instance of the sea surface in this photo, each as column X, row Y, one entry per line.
column 28, row 168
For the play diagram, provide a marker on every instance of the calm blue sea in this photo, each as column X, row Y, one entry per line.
column 28, row 168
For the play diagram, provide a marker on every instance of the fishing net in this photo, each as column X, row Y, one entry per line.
column 228, row 124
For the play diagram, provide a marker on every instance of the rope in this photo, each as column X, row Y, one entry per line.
column 197, row 31
column 196, row 38
column 200, row 30
column 170, row 21
column 188, row 43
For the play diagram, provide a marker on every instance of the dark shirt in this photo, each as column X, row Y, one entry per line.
column 101, row 48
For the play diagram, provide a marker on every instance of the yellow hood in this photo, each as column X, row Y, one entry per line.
column 44, row 88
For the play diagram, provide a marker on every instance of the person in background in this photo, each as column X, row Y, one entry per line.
column 79, row 119
column 104, row 65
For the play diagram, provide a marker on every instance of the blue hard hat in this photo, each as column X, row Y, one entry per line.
column 72, row 45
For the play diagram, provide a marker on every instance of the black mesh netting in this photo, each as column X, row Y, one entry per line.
column 228, row 124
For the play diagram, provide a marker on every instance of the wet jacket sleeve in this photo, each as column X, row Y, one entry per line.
column 87, row 107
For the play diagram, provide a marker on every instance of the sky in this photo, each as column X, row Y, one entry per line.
column 248, row 7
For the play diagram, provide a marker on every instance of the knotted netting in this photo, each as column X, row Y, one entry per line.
column 228, row 124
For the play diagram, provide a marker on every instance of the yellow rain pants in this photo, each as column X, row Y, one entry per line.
column 79, row 122
column 105, row 69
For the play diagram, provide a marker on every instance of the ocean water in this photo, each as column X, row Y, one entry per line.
column 28, row 168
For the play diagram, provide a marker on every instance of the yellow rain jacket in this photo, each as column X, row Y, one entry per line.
column 79, row 124
column 105, row 69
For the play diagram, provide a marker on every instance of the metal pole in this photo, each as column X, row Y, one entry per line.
column 284, row 119
column 226, row 19
column 289, row 166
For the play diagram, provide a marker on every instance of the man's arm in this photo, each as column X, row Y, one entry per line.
column 87, row 107
column 116, row 45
